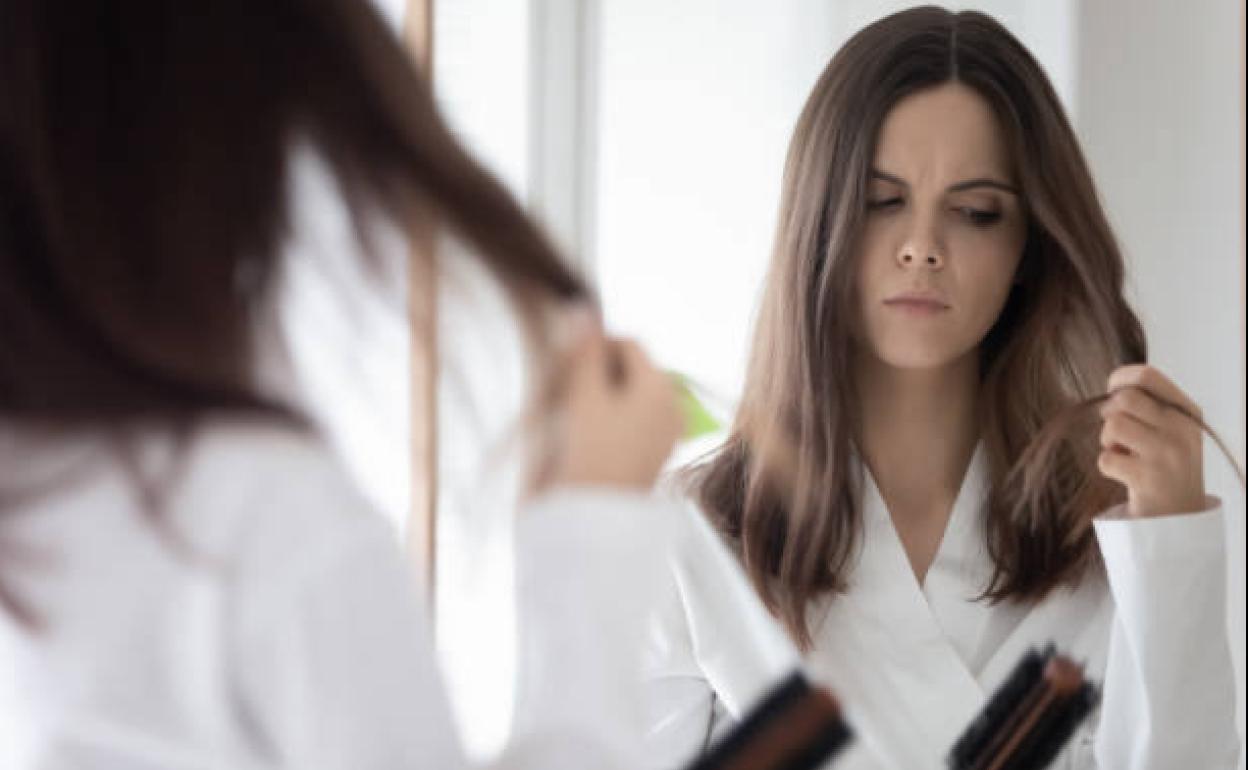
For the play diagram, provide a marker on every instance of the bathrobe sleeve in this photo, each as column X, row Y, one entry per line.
column 589, row 565
column 684, row 713
column 713, row 650
column 1169, row 690
column 336, row 667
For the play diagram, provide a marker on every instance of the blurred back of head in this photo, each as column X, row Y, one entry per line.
column 143, row 191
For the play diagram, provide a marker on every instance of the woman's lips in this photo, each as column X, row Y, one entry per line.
column 921, row 303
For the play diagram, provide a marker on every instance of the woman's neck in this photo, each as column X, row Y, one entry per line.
column 919, row 428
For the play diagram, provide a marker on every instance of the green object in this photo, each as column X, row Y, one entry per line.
column 698, row 419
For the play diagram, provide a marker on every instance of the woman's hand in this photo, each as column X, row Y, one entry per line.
column 1150, row 446
column 618, row 418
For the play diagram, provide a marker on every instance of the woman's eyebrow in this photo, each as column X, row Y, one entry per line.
column 958, row 187
column 983, row 182
column 887, row 177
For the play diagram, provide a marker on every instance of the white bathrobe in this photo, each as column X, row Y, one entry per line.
column 912, row 664
column 278, row 626
column 290, row 635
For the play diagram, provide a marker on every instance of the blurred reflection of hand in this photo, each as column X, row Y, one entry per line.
column 618, row 416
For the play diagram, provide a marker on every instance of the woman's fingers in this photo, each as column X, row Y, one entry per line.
column 1119, row 466
column 1147, row 395
column 1138, row 404
column 588, row 364
column 1156, row 384
column 1150, row 444
column 620, row 417
column 627, row 362
column 1124, row 431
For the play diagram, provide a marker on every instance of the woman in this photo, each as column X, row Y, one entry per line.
column 187, row 578
column 945, row 284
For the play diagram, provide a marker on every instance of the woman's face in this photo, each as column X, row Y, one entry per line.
column 944, row 233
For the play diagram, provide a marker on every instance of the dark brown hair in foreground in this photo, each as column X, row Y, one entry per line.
column 143, row 202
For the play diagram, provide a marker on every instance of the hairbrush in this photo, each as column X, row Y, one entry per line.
column 1030, row 716
column 795, row 727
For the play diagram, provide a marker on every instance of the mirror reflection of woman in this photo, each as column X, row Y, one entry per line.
column 944, row 282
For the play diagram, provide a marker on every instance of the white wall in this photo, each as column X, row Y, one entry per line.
column 480, row 394
column 697, row 99
column 481, row 66
column 481, row 61
column 1160, row 111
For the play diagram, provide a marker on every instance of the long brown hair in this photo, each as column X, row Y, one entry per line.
column 143, row 200
column 785, row 488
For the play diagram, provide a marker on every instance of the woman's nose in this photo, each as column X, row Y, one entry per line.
column 924, row 244
column 927, row 256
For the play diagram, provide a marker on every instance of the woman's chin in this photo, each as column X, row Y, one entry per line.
column 920, row 356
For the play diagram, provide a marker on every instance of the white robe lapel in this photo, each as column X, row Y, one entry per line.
column 991, row 638
column 888, row 652
column 1067, row 619
column 962, row 571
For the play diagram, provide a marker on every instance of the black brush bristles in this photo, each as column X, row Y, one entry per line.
column 992, row 717
column 807, row 751
column 784, row 695
column 1023, row 691
column 1045, row 742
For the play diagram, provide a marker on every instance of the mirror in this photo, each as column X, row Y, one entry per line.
column 650, row 137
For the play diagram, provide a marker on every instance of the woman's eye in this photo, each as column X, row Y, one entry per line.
column 883, row 203
column 979, row 217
